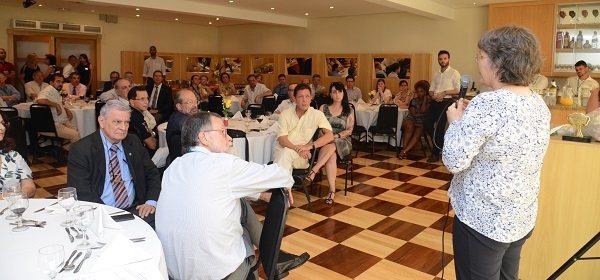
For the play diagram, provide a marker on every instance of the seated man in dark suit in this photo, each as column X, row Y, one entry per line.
column 108, row 85
column 161, row 99
column 113, row 168
column 185, row 105
column 138, row 101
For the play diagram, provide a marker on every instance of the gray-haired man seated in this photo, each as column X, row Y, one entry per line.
column 206, row 227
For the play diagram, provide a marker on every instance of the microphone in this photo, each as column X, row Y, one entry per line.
column 465, row 81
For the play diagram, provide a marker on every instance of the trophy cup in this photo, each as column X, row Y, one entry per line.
column 578, row 120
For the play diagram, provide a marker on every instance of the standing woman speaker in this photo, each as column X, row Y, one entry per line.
column 495, row 145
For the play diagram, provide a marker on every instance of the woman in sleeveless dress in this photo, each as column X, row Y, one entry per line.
column 341, row 117
column 412, row 126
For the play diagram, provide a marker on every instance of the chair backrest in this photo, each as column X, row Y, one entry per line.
column 388, row 116
column 269, row 103
column 215, row 104
column 235, row 133
column 174, row 144
column 41, row 119
column 203, row 106
column 354, row 112
column 99, row 104
column 322, row 99
column 16, row 131
column 272, row 232
column 256, row 109
column 314, row 104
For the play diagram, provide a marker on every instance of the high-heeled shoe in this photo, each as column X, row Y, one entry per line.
column 402, row 155
column 329, row 199
column 311, row 173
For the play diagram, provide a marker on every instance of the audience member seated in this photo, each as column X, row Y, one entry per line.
column 113, row 168
column 74, row 88
column 14, row 167
column 33, row 88
column 254, row 92
column 138, row 101
column 119, row 92
column 354, row 93
column 288, row 103
column 9, row 94
column 226, row 87
column 382, row 94
column 114, row 76
column 404, row 96
column 296, row 130
column 185, row 105
column 61, row 115
column 281, row 88
column 199, row 85
column 316, row 88
column 129, row 76
column 161, row 99
column 341, row 117
column 206, row 227
column 412, row 126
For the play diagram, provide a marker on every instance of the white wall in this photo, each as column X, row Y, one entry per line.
column 383, row 33
column 128, row 34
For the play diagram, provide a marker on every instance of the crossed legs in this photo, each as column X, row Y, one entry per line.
column 411, row 135
column 328, row 158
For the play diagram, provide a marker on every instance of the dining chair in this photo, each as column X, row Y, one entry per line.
column 322, row 99
column 269, row 103
column 349, row 166
column 300, row 175
column 313, row 104
column 423, row 137
column 256, row 109
column 203, row 106
column 174, row 144
column 15, row 129
column 215, row 104
column 387, row 122
column 43, row 126
column 98, row 106
column 236, row 133
column 272, row 231
column 358, row 131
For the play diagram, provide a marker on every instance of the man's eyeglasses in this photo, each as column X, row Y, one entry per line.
column 190, row 102
column 224, row 131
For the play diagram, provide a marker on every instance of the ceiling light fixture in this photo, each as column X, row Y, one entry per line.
column 176, row 19
column 137, row 9
column 230, row 1
column 39, row 5
column 210, row 22
column 331, row 7
column 217, row 18
column 306, row 14
column 272, row 8
column 28, row 3
column 137, row 15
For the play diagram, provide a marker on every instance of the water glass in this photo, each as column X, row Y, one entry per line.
column 84, row 217
column 51, row 259
column 10, row 187
column 67, row 198
column 19, row 205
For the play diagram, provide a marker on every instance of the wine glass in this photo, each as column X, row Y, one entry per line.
column 259, row 119
column 268, row 114
column 9, row 188
column 84, row 216
column 20, row 204
column 50, row 259
column 248, row 113
column 572, row 15
column 67, row 198
column 247, row 123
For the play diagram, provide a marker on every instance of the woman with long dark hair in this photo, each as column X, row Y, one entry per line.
column 14, row 168
column 226, row 87
column 412, row 126
column 341, row 117
column 52, row 68
column 85, row 72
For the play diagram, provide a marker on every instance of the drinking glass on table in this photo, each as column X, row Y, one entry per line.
column 67, row 198
column 9, row 188
column 19, row 205
column 248, row 113
column 247, row 123
column 84, row 216
column 259, row 119
column 51, row 259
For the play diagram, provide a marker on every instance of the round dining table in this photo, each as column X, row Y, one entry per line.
column 366, row 115
column 262, row 138
column 84, row 115
column 19, row 254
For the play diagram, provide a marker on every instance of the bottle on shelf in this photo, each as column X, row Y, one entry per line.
column 579, row 42
column 566, row 42
column 559, row 40
column 587, row 45
column 553, row 90
column 595, row 40
column 572, row 43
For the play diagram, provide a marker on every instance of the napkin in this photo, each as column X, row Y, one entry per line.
column 237, row 116
column 274, row 128
column 101, row 221
column 120, row 251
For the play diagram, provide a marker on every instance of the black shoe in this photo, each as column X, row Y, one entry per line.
column 433, row 158
column 290, row 262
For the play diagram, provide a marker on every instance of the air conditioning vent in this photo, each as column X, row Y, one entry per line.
column 55, row 26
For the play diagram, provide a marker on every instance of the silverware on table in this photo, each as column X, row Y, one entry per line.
column 42, row 209
column 78, row 234
column 68, row 261
column 70, row 235
column 3, row 210
column 87, row 255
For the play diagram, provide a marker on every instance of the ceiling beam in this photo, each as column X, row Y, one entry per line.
column 426, row 8
column 204, row 9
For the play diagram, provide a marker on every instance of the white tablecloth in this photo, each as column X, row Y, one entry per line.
column 366, row 116
column 260, row 143
column 84, row 118
column 18, row 257
column 236, row 101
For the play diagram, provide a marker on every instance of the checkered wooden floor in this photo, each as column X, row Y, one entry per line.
column 388, row 226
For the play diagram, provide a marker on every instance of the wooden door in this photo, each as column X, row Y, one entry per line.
column 76, row 46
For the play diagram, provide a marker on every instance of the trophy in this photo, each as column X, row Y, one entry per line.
column 578, row 120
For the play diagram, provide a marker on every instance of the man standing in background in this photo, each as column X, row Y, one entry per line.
column 6, row 67
column 70, row 67
column 152, row 64
column 445, row 83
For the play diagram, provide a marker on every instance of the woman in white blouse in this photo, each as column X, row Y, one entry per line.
column 495, row 147
column 14, row 168
column 382, row 94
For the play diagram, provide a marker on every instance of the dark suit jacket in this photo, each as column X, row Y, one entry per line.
column 164, row 103
column 87, row 169
column 107, row 86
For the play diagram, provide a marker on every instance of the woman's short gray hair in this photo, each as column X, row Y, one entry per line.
column 192, row 126
column 515, row 52
column 114, row 104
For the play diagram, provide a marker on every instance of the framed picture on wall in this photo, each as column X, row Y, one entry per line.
column 231, row 65
column 392, row 67
column 262, row 64
column 338, row 66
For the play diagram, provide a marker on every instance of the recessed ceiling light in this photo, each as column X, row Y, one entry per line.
column 39, row 5
column 272, row 8
column 331, row 7
column 176, row 19
column 210, row 22
column 474, row 3
column 137, row 15
column 230, row 1
column 217, row 18
column 306, row 14
column 93, row 11
column 137, row 9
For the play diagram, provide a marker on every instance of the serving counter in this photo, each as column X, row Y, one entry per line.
column 569, row 212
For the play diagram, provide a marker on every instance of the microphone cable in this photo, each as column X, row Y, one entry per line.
column 443, row 233
column 436, row 122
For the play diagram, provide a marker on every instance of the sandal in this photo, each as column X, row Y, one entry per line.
column 329, row 199
column 307, row 178
column 402, row 155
